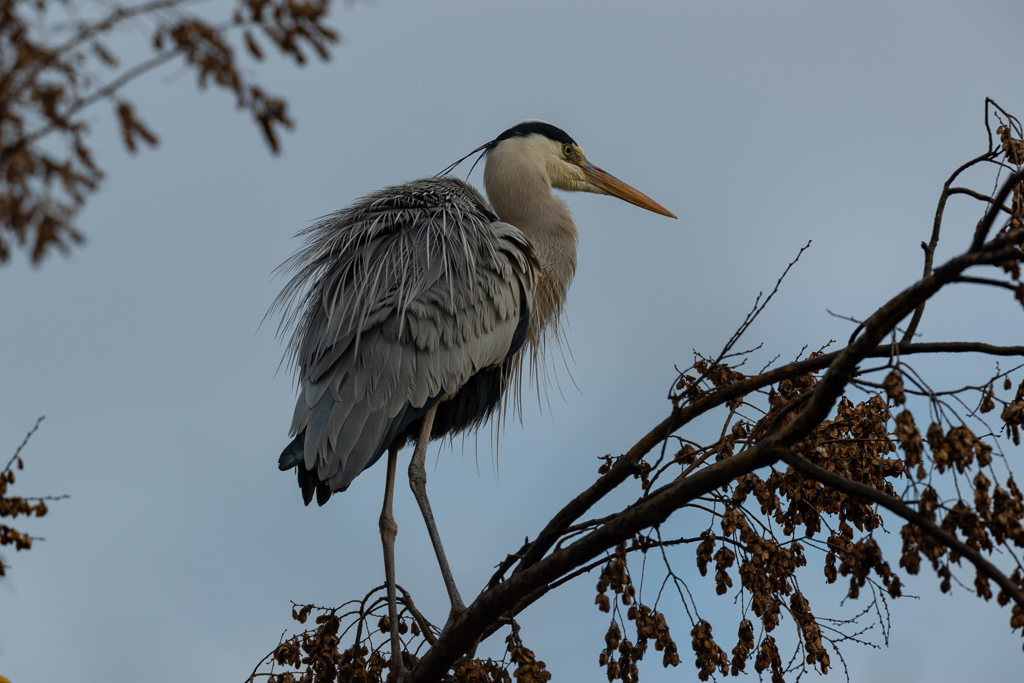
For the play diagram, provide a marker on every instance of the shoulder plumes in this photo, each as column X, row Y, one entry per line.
column 375, row 257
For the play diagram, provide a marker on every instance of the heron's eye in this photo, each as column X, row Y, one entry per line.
column 567, row 150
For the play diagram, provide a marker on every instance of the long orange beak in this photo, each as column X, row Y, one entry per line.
column 609, row 184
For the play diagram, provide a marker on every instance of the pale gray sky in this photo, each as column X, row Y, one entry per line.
column 761, row 125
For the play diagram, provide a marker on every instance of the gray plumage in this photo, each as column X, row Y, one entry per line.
column 396, row 302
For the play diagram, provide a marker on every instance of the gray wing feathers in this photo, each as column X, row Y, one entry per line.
column 396, row 300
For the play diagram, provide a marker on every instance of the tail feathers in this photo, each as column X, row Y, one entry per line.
column 365, row 446
column 292, row 456
column 292, row 453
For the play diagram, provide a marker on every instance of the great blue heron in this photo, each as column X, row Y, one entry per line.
column 413, row 310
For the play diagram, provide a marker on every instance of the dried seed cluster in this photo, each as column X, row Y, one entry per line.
column 615, row 575
column 620, row 654
column 482, row 671
column 529, row 669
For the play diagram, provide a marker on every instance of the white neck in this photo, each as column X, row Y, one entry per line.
column 519, row 188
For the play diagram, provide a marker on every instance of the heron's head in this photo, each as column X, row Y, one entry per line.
column 550, row 149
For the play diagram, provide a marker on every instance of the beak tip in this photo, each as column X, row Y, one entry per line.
column 602, row 182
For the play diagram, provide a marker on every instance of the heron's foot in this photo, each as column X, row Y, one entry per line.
column 458, row 607
column 399, row 673
column 457, row 611
column 454, row 616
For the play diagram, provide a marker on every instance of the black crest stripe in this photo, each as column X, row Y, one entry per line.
column 535, row 128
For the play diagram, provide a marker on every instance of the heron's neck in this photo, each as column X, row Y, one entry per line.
column 520, row 193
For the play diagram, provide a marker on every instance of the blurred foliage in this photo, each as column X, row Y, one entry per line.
column 60, row 57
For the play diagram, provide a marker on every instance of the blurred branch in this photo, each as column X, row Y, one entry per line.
column 47, row 83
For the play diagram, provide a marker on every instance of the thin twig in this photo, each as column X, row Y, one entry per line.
column 24, row 442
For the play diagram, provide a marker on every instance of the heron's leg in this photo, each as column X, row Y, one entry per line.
column 418, row 483
column 388, row 531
